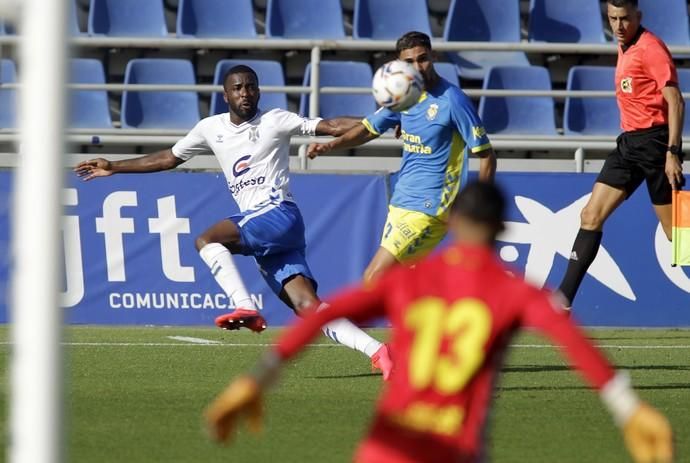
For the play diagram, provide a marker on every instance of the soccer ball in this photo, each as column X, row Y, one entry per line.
column 397, row 85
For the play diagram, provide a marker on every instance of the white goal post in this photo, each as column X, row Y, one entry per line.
column 36, row 320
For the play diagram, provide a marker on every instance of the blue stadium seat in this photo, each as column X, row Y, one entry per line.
column 6, row 29
column 667, row 19
column 127, row 18
column 518, row 115
column 448, row 72
column 576, row 21
column 210, row 18
column 160, row 110
column 8, row 97
column 684, row 81
column 483, row 21
column 304, row 19
column 389, row 19
column 73, row 19
column 269, row 73
column 591, row 116
column 341, row 74
column 89, row 108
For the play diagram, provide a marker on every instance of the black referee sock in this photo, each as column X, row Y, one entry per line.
column 584, row 251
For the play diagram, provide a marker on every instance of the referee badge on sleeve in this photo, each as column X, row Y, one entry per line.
column 626, row 85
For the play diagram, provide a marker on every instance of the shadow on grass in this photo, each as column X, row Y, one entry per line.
column 637, row 338
column 546, row 368
column 656, row 387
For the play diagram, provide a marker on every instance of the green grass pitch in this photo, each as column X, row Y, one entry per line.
column 136, row 395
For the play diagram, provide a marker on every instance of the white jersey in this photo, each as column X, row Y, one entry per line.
column 253, row 155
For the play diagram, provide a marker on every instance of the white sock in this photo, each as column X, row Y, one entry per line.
column 345, row 332
column 224, row 270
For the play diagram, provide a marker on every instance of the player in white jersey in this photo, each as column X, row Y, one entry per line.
column 252, row 148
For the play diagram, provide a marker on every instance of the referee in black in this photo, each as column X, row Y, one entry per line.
column 649, row 149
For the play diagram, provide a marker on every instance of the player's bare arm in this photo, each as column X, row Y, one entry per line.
column 155, row 162
column 487, row 165
column 337, row 126
column 356, row 136
column 647, row 432
column 243, row 397
column 676, row 114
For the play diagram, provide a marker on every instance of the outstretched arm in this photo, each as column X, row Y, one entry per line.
column 337, row 126
column 243, row 397
column 99, row 167
column 356, row 136
column 647, row 432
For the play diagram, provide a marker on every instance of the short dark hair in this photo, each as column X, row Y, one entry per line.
column 483, row 203
column 240, row 69
column 623, row 3
column 412, row 39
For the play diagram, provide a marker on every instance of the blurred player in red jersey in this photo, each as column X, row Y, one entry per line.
column 452, row 317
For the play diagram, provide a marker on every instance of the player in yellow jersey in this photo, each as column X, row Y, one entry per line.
column 437, row 134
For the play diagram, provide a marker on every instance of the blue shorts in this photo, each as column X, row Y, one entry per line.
column 274, row 235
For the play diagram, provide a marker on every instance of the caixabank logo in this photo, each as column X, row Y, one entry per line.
column 550, row 233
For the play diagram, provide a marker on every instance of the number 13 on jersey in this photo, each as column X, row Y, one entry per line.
column 466, row 324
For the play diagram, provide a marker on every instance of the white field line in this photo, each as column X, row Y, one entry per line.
column 604, row 346
column 173, row 344
column 193, row 340
column 208, row 343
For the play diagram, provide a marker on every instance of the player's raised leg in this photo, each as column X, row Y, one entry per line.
column 604, row 200
column 299, row 292
column 215, row 246
column 407, row 236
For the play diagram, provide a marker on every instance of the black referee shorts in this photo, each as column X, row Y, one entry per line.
column 640, row 155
